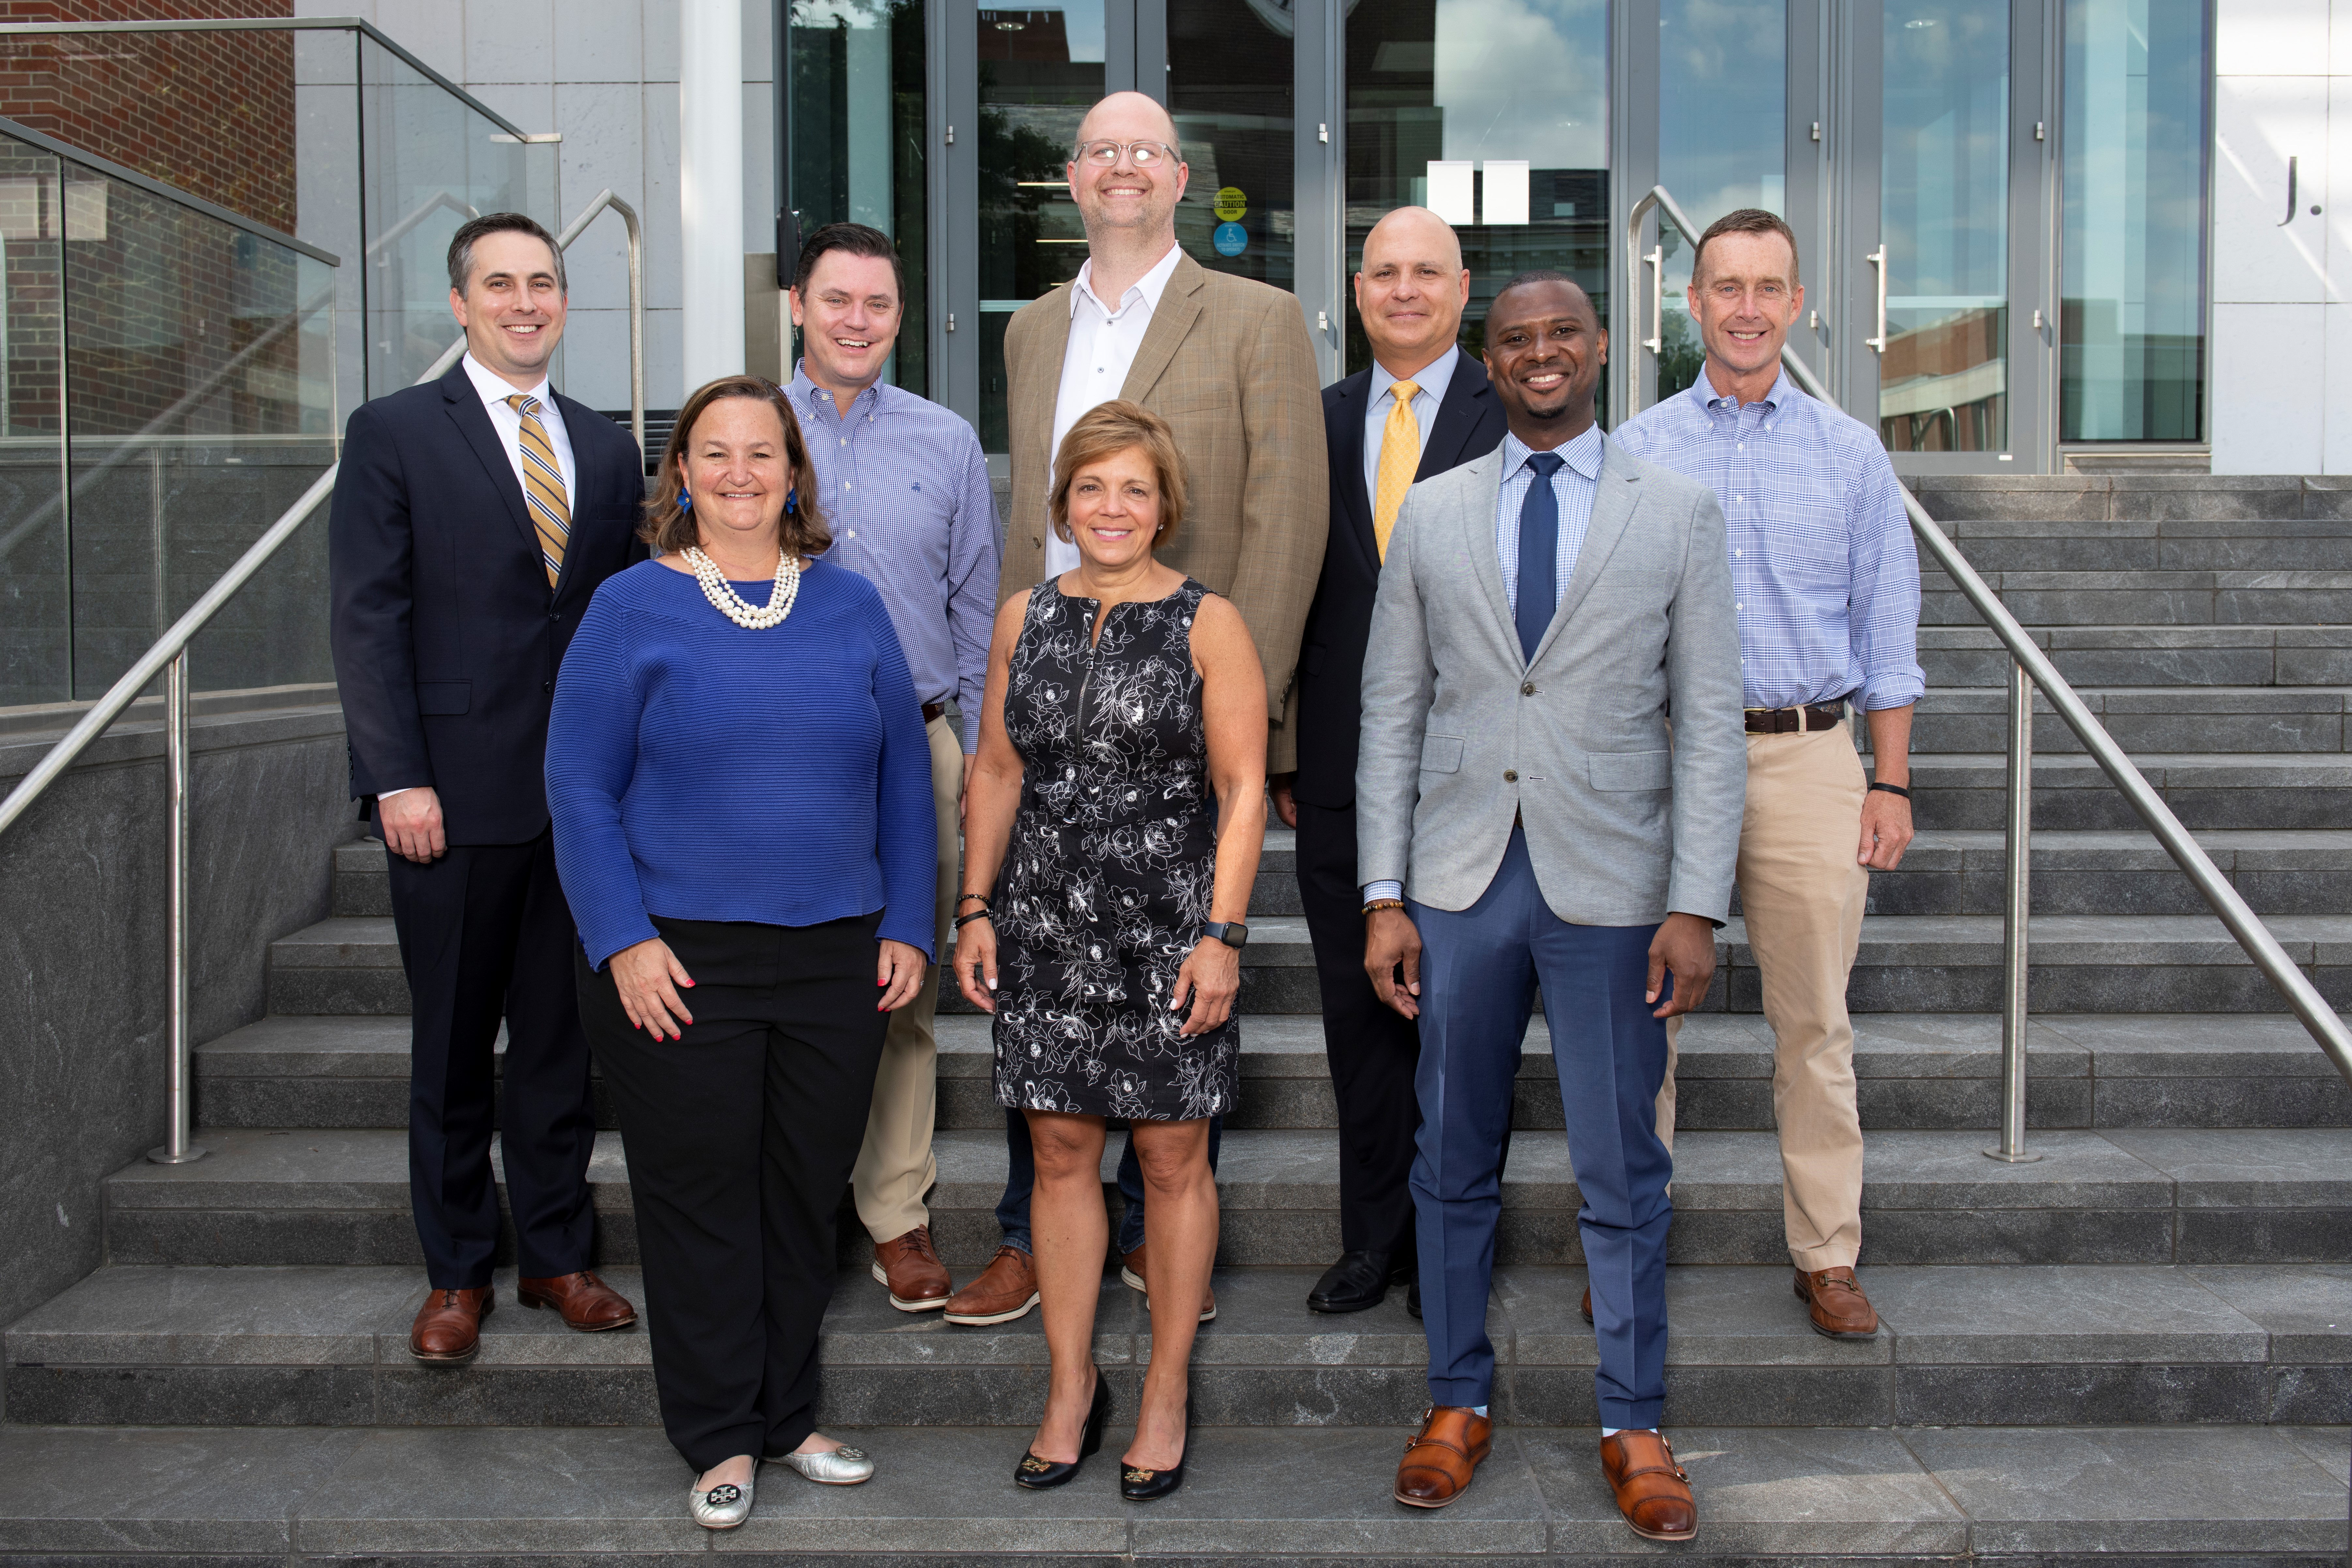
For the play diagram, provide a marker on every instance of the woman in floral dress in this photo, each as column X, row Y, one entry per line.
column 1116, row 814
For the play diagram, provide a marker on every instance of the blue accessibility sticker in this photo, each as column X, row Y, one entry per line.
column 1231, row 239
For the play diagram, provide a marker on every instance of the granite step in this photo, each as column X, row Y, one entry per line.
column 1914, row 1072
column 2146, row 544
column 1968, row 655
column 2183, row 1496
column 2117, row 871
column 2106, row 1196
column 2185, row 504
column 2164, row 596
column 2246, row 791
column 2066, row 1345
column 1910, row 963
column 2187, row 720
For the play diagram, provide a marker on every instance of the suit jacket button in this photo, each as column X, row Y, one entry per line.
column 1510, row 775
column 1528, row 690
column 550, row 686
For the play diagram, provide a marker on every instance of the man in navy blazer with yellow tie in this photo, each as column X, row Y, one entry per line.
column 473, row 517
column 1421, row 408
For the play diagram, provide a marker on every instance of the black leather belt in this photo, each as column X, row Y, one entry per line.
column 934, row 711
column 1795, row 720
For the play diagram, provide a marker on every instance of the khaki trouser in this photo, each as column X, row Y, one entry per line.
column 896, row 1167
column 1801, row 893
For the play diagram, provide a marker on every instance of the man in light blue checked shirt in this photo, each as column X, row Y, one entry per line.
column 1827, row 585
column 906, row 489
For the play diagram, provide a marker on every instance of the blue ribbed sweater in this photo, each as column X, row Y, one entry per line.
column 700, row 771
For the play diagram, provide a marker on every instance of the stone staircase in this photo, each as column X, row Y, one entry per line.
column 2138, row 1348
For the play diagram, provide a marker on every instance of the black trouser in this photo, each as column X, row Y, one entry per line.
column 1373, row 1049
column 740, row 1138
column 485, row 934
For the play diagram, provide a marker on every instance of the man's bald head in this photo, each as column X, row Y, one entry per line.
column 1128, row 117
column 1411, row 290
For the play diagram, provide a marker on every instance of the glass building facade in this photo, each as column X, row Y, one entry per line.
column 2002, row 208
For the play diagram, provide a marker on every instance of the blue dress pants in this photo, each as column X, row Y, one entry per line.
column 1479, row 970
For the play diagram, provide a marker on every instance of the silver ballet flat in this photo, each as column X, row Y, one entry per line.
column 841, row 1467
column 720, row 1506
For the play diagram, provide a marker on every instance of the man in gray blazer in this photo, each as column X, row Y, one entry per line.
column 1525, row 816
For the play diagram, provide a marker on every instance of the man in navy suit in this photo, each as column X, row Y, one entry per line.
column 474, row 518
column 1424, row 407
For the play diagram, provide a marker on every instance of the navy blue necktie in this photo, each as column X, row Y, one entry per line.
column 1538, row 551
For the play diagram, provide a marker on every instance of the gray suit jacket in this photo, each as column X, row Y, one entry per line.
column 1625, row 821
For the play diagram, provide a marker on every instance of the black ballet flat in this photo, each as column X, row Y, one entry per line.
column 1041, row 1475
column 1149, row 1486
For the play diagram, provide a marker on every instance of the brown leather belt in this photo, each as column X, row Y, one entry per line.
column 934, row 711
column 1795, row 720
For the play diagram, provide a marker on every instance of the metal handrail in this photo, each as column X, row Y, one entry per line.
column 168, row 657
column 2031, row 668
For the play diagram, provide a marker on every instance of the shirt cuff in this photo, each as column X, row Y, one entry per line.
column 1375, row 891
column 383, row 794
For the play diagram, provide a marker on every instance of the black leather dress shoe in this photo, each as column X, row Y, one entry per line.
column 1359, row 1279
column 1412, row 1298
column 1038, row 1475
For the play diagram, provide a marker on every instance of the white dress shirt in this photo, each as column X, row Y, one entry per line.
column 1102, row 348
column 1432, row 379
column 509, row 424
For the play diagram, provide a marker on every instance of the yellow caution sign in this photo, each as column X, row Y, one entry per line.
column 1231, row 204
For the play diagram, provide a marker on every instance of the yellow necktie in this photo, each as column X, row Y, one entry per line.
column 542, row 487
column 1400, row 460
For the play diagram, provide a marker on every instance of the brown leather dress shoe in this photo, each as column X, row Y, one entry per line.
column 1006, row 1289
column 1131, row 1275
column 1585, row 1305
column 910, row 1267
column 587, row 1304
column 1839, row 1308
column 1652, row 1492
column 1438, row 1461
column 448, row 1328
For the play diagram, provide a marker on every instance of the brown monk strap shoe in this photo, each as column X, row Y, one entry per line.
column 1652, row 1492
column 1585, row 1305
column 448, row 1327
column 910, row 1267
column 1839, row 1308
column 587, row 1304
column 1131, row 1275
column 1438, row 1462
column 1006, row 1289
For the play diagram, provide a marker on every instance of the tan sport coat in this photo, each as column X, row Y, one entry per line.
column 1227, row 362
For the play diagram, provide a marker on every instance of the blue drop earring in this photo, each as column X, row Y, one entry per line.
column 685, row 501
column 792, row 501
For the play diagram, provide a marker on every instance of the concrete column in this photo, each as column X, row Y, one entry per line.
column 710, row 187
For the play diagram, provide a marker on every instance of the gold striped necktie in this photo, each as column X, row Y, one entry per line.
column 1400, row 460
column 542, row 487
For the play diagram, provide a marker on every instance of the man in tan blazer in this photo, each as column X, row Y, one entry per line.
column 1227, row 362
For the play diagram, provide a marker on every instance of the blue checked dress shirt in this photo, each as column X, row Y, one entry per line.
column 1822, row 567
column 1572, row 486
column 906, row 489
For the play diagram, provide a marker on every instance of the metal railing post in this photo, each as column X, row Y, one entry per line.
column 179, row 1110
column 2017, row 904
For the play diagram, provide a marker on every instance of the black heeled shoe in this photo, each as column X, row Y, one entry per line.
column 1149, row 1486
column 1040, row 1474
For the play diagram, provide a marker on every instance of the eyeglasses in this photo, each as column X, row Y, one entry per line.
column 1143, row 155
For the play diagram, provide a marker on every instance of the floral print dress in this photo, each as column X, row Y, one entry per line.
column 1113, row 860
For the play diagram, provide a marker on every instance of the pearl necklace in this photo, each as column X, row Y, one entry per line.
column 733, row 606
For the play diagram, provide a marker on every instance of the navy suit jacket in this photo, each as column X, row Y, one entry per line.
column 446, row 636
column 1468, row 425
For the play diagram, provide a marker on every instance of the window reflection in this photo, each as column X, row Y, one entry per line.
column 1943, row 220
column 1496, row 113
column 2132, row 316
column 1230, row 86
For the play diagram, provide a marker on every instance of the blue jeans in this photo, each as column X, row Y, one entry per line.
column 1021, row 1175
column 1479, row 970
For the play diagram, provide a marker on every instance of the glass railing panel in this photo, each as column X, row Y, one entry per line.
column 36, row 539
column 199, row 400
column 431, row 161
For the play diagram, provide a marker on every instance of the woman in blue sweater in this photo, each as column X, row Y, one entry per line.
column 741, row 790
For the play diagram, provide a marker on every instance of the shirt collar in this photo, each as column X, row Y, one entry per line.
column 1149, row 288
column 802, row 390
column 1703, row 393
column 1583, row 454
column 491, row 389
column 1432, row 378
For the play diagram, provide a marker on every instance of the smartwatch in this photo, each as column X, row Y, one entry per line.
column 1232, row 933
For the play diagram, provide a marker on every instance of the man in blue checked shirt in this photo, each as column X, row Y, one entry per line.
column 906, row 489
column 1827, row 584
